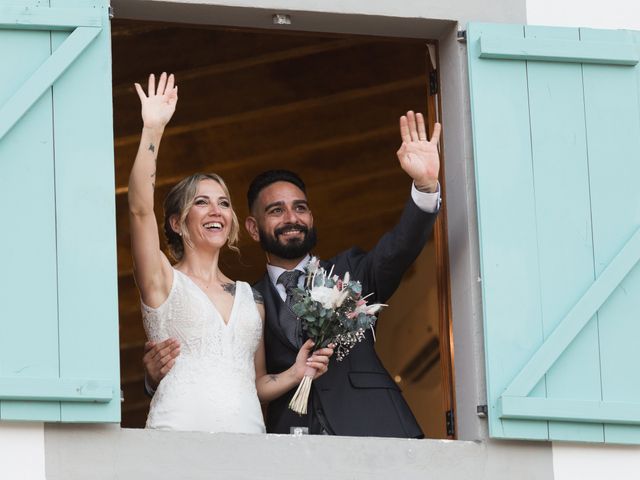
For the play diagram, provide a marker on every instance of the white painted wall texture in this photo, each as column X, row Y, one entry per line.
column 613, row 14
column 595, row 462
column 22, row 451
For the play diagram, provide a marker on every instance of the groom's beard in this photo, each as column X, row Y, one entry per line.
column 292, row 248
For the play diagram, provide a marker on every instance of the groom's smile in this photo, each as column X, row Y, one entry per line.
column 292, row 232
column 282, row 221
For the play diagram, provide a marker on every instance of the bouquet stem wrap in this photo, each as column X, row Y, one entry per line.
column 300, row 399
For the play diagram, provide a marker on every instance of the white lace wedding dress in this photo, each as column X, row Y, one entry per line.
column 211, row 387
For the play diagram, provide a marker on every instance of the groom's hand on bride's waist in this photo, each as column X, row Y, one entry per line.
column 158, row 359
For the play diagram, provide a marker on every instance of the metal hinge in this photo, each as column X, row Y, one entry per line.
column 110, row 11
column 482, row 410
column 462, row 36
column 449, row 420
column 433, row 82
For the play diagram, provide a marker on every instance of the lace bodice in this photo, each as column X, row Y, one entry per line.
column 211, row 387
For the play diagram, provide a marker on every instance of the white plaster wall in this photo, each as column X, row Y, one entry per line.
column 614, row 14
column 22, row 451
column 595, row 462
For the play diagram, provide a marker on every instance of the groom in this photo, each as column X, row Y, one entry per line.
column 356, row 397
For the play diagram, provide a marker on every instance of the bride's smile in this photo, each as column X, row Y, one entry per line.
column 209, row 218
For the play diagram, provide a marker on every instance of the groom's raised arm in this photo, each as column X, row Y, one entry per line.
column 381, row 269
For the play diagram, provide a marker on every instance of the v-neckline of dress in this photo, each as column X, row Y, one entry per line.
column 213, row 305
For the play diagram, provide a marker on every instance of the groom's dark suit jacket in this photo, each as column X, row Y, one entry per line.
column 357, row 396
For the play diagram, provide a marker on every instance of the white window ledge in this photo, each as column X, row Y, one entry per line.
column 103, row 451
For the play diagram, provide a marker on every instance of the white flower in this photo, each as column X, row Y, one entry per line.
column 325, row 295
column 329, row 297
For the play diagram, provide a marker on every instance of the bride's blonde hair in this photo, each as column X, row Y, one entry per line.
column 180, row 200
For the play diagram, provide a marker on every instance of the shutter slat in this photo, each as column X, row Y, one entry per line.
column 569, row 410
column 46, row 18
column 558, row 50
column 54, row 389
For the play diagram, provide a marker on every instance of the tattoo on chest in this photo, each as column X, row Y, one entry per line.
column 230, row 288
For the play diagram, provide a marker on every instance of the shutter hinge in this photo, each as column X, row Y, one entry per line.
column 462, row 36
column 449, row 419
column 482, row 410
column 433, row 82
column 111, row 12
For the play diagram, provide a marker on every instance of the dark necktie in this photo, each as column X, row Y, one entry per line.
column 289, row 321
column 289, row 281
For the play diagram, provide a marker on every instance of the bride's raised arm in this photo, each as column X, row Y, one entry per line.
column 152, row 269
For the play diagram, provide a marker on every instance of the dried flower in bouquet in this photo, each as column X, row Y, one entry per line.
column 332, row 311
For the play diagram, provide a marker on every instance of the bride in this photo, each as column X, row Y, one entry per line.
column 219, row 378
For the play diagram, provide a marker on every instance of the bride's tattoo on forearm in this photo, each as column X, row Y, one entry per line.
column 273, row 378
column 152, row 148
column 230, row 288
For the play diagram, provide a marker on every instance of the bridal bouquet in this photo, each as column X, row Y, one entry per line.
column 332, row 312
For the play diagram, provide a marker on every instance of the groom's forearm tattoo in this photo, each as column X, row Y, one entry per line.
column 152, row 148
column 257, row 296
column 230, row 288
column 273, row 378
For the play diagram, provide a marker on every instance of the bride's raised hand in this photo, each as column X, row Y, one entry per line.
column 160, row 103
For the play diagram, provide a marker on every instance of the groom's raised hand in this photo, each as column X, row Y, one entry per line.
column 418, row 155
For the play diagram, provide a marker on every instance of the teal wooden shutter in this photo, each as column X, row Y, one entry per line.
column 58, row 287
column 556, row 131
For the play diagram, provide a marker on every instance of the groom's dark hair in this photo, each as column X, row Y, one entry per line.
column 265, row 179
